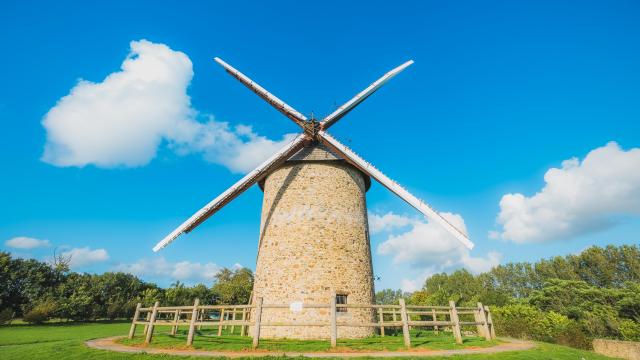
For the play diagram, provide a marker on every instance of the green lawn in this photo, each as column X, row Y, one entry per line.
column 66, row 341
column 207, row 339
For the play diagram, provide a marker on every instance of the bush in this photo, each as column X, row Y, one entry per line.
column 575, row 336
column 518, row 321
column 40, row 313
column 114, row 310
column 527, row 322
column 629, row 330
column 6, row 316
column 552, row 326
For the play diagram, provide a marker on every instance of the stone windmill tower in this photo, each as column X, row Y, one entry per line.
column 314, row 238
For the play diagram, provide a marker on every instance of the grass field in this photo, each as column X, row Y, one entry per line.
column 66, row 341
column 207, row 340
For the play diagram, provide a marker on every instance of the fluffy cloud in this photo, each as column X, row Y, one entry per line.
column 23, row 242
column 80, row 257
column 123, row 120
column 429, row 247
column 238, row 148
column 387, row 222
column 580, row 197
column 407, row 285
column 160, row 268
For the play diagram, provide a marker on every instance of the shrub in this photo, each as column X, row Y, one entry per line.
column 552, row 326
column 575, row 336
column 6, row 315
column 629, row 330
column 114, row 310
column 526, row 322
column 40, row 313
column 518, row 320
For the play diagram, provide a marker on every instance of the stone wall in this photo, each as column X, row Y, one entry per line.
column 619, row 349
column 314, row 241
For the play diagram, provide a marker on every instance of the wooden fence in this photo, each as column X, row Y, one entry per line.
column 387, row 316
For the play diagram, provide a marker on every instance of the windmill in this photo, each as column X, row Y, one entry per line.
column 314, row 239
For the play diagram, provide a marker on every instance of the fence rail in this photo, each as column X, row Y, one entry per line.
column 388, row 316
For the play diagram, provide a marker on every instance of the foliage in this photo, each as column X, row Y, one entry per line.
column 630, row 330
column 389, row 296
column 6, row 315
column 569, row 300
column 112, row 295
column 24, row 282
column 41, row 312
column 518, row 320
column 233, row 286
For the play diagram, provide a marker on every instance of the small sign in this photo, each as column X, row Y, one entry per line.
column 296, row 306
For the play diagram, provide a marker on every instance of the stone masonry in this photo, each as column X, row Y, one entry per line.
column 314, row 241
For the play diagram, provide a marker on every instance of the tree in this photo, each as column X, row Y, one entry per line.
column 389, row 296
column 233, row 286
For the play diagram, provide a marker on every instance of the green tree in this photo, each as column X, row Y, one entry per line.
column 233, row 286
column 389, row 296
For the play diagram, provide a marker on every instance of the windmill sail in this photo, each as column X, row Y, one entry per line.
column 280, row 105
column 237, row 189
column 394, row 187
column 349, row 105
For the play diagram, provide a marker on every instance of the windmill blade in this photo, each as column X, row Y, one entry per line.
column 280, row 105
column 418, row 204
column 349, row 105
column 238, row 188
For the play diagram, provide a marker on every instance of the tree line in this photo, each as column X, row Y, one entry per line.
column 38, row 291
column 567, row 299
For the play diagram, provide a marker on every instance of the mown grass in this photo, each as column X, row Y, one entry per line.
column 66, row 341
column 207, row 339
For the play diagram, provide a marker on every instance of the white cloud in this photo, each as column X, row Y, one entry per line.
column 387, row 222
column 580, row 197
column 24, row 242
column 238, row 148
column 407, row 285
column 80, row 257
column 160, row 268
column 429, row 247
column 123, row 120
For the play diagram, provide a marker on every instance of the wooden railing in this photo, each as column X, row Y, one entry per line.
column 388, row 316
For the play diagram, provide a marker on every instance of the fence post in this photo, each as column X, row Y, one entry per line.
column 456, row 322
column 136, row 314
column 381, row 319
column 154, row 313
column 243, row 328
column 477, row 318
column 333, row 321
column 220, row 321
column 200, row 319
column 256, row 329
column 405, row 324
column 233, row 318
column 174, row 327
column 192, row 323
column 483, row 319
column 146, row 326
column 492, row 329
column 435, row 318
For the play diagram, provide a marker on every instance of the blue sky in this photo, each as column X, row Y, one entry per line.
column 500, row 93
